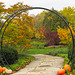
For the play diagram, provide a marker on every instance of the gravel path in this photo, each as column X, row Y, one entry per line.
column 42, row 65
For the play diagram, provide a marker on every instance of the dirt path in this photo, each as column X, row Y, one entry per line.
column 42, row 65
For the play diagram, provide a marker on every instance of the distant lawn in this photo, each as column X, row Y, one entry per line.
column 50, row 51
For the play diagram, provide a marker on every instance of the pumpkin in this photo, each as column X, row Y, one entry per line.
column 8, row 71
column 4, row 68
column 67, row 67
column 61, row 71
column 0, row 69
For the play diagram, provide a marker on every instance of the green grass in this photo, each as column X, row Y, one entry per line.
column 63, row 55
column 38, row 51
column 50, row 51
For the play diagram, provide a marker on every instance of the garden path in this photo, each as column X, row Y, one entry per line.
column 42, row 65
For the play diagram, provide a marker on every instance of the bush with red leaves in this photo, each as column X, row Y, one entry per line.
column 52, row 38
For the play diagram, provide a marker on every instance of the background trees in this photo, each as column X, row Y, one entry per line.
column 39, row 26
column 69, row 13
column 20, row 30
column 2, row 12
column 52, row 20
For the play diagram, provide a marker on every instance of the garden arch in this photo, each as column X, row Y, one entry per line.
column 19, row 12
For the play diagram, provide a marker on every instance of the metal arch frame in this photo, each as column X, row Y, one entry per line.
column 23, row 10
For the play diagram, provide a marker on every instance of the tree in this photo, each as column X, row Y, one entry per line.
column 51, row 20
column 69, row 12
column 38, row 20
column 20, row 30
column 2, row 12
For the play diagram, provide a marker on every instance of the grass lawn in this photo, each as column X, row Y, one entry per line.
column 48, row 51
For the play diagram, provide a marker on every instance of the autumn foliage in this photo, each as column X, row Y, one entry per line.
column 40, row 32
column 52, row 38
column 65, row 35
column 20, row 29
column 19, row 32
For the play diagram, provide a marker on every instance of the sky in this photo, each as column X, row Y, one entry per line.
column 56, row 4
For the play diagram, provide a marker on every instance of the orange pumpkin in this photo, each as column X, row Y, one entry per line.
column 61, row 71
column 0, row 69
column 67, row 67
column 4, row 68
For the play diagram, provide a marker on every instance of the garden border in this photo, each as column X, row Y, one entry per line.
column 19, row 12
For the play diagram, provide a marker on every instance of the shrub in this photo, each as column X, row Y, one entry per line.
column 58, row 51
column 52, row 38
column 10, row 54
column 39, row 45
